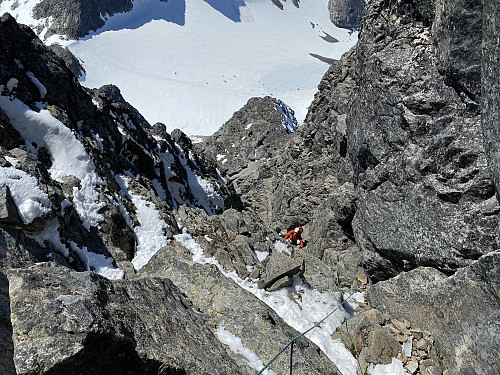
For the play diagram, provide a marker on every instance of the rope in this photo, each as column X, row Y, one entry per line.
column 306, row 332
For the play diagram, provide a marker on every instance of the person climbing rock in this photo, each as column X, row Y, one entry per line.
column 295, row 236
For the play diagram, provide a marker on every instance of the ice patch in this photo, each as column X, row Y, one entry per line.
column 289, row 123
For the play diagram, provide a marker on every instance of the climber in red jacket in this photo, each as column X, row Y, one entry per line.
column 295, row 236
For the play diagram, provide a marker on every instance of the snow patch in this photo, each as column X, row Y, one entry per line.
column 282, row 247
column 237, row 347
column 12, row 84
column 308, row 307
column 98, row 263
column 393, row 368
column 68, row 156
column 41, row 88
column 261, row 255
column 30, row 200
column 150, row 233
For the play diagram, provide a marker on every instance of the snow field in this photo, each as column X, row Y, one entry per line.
column 192, row 64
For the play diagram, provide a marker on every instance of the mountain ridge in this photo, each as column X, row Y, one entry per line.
column 390, row 177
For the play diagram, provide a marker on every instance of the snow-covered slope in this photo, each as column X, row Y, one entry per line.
column 191, row 64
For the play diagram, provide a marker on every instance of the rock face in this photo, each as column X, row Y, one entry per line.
column 346, row 13
column 461, row 311
column 462, row 71
column 491, row 88
column 75, row 18
column 73, row 322
column 420, row 150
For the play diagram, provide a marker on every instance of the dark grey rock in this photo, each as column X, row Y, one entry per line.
column 417, row 151
column 9, row 137
column 457, row 31
column 72, row 62
column 490, row 115
column 461, row 311
column 278, row 266
column 8, row 209
column 74, row 18
column 346, row 13
column 280, row 283
column 69, row 322
column 6, row 344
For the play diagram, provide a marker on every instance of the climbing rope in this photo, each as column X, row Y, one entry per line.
column 290, row 343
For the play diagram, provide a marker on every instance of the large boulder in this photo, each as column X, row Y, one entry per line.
column 69, row 322
column 461, row 311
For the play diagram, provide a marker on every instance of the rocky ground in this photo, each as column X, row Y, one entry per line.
column 390, row 176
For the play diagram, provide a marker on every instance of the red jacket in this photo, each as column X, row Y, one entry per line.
column 294, row 237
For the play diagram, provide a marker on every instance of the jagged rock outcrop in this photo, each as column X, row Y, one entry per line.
column 75, row 18
column 72, row 322
column 346, row 13
column 72, row 62
column 461, row 311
